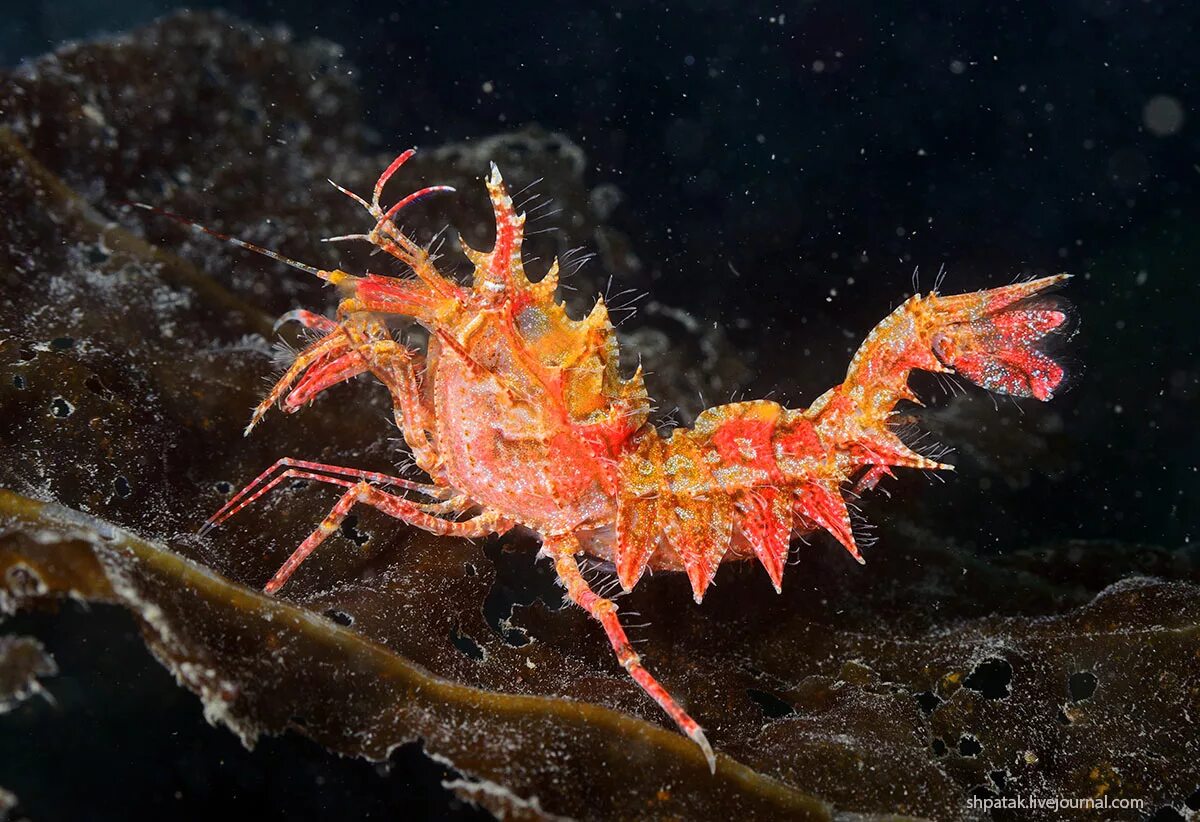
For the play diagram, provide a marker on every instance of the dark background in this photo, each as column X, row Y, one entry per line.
column 786, row 167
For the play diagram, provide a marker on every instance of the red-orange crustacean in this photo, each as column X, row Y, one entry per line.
column 519, row 417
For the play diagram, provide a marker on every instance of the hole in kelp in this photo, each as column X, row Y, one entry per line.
column 350, row 531
column 772, row 706
column 991, row 678
column 519, row 580
column 513, row 635
column 969, row 746
column 122, row 488
column 464, row 643
column 939, row 747
column 60, row 408
column 62, row 343
column 1082, row 685
column 340, row 617
column 18, row 382
column 928, row 702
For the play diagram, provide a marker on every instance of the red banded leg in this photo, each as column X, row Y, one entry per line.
column 604, row 611
column 398, row 507
column 389, row 238
column 450, row 506
column 871, row 478
column 307, row 319
column 395, row 366
column 329, row 347
column 399, row 375
column 307, row 470
column 385, row 216
column 323, row 375
column 397, row 243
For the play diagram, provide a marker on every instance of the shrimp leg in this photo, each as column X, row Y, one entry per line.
column 563, row 549
column 402, row 509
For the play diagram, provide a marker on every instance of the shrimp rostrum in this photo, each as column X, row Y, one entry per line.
column 518, row 416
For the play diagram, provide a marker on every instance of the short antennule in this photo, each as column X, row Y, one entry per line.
column 257, row 249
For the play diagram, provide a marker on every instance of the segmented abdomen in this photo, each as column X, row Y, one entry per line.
column 743, row 478
column 751, row 474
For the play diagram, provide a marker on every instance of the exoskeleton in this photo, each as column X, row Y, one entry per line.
column 518, row 416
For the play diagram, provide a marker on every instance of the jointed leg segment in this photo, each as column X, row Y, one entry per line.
column 604, row 611
column 398, row 507
column 303, row 469
column 391, row 239
column 307, row 319
column 399, row 376
column 329, row 347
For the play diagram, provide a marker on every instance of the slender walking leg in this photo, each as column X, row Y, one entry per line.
column 604, row 611
column 398, row 507
column 252, row 491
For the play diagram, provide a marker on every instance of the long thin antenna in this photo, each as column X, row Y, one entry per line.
column 257, row 249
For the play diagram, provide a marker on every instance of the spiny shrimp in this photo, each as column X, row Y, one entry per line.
column 518, row 416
